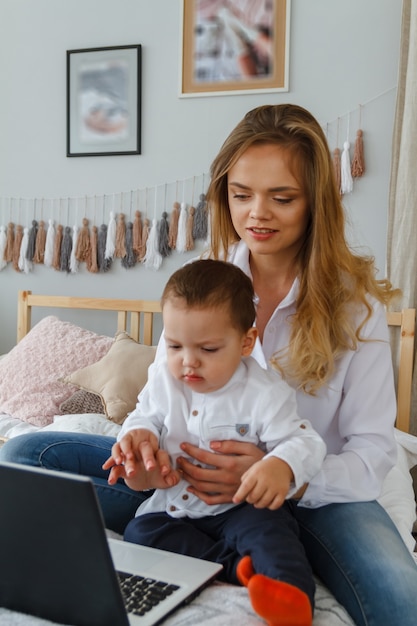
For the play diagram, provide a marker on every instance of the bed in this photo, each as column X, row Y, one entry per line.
column 62, row 376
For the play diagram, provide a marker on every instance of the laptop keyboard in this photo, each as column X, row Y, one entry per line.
column 142, row 594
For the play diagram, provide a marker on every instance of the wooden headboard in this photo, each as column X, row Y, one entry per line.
column 137, row 318
column 134, row 316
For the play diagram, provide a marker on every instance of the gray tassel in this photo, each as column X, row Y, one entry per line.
column 200, row 219
column 129, row 260
column 30, row 251
column 163, row 236
column 66, row 248
column 104, row 264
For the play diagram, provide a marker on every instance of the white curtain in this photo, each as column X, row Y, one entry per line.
column 402, row 218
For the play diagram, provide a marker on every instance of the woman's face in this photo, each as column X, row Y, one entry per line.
column 268, row 206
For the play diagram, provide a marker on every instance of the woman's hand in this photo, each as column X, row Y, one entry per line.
column 229, row 460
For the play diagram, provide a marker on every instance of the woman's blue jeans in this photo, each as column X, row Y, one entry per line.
column 353, row 548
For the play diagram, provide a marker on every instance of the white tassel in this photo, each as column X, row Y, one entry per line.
column 207, row 241
column 3, row 240
column 153, row 258
column 346, row 184
column 111, row 237
column 25, row 265
column 74, row 264
column 49, row 244
column 181, row 244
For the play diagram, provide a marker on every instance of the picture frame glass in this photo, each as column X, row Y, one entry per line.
column 234, row 47
column 104, row 101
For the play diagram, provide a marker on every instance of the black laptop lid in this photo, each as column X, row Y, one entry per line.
column 55, row 559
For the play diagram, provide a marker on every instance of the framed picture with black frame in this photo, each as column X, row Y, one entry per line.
column 104, row 101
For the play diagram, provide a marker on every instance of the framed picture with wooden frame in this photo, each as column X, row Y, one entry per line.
column 104, row 101
column 234, row 46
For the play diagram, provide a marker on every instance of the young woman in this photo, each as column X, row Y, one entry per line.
column 277, row 214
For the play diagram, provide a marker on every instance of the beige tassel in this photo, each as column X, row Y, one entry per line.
column 16, row 247
column 91, row 263
column 83, row 249
column 8, row 251
column 173, row 226
column 137, row 234
column 189, row 241
column 56, row 259
column 120, row 249
column 40, row 243
column 358, row 161
column 145, row 235
column 337, row 168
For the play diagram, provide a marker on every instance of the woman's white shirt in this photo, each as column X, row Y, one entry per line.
column 354, row 413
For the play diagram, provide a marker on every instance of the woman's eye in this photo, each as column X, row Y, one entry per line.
column 283, row 200
column 240, row 196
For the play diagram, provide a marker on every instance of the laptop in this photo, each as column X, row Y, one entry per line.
column 58, row 564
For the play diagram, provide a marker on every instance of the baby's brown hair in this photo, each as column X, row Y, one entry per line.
column 210, row 283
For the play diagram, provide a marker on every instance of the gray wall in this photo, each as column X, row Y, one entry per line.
column 342, row 55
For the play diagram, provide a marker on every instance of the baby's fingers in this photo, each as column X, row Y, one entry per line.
column 147, row 455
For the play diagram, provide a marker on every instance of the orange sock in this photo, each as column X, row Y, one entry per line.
column 277, row 602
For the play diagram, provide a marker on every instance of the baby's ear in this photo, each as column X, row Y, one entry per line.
column 248, row 341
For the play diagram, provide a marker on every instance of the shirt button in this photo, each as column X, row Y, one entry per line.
column 195, row 412
column 302, row 426
column 172, row 508
column 185, row 496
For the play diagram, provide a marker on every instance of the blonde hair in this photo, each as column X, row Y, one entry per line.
column 334, row 281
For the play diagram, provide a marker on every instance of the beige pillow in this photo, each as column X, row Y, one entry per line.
column 118, row 377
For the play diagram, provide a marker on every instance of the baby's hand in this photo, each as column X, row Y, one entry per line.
column 138, row 460
column 265, row 484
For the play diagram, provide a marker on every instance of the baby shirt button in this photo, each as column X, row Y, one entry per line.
column 185, row 496
column 195, row 412
column 172, row 508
